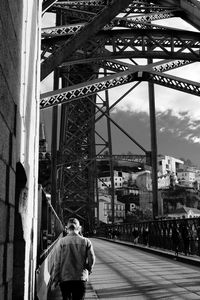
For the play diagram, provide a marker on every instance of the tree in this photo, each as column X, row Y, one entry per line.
column 187, row 162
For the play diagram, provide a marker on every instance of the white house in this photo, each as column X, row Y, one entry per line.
column 185, row 212
column 168, row 164
column 186, row 177
column 105, row 209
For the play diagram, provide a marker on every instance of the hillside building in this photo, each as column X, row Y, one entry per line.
column 185, row 212
column 105, row 210
column 186, row 177
column 168, row 164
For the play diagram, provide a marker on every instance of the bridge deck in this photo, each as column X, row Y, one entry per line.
column 122, row 272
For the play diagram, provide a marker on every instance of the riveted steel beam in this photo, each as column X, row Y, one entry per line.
column 167, row 44
column 138, row 22
column 89, row 88
column 78, row 91
column 177, row 44
column 99, row 21
column 190, row 10
column 173, row 82
column 47, row 4
column 112, row 65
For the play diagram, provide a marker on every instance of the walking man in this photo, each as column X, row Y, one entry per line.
column 74, row 262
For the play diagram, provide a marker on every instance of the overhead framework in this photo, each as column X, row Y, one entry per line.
column 97, row 45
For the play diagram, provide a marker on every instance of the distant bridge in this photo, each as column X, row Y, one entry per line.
column 127, row 157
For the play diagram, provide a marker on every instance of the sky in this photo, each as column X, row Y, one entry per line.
column 177, row 122
column 177, row 115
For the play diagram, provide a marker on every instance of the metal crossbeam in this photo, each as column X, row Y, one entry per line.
column 136, row 7
column 103, row 34
column 173, row 82
column 61, row 30
column 176, row 44
column 190, row 10
column 81, row 4
column 47, row 4
column 133, row 158
column 89, row 88
column 85, row 89
column 111, row 65
column 99, row 21
column 129, row 22
column 146, row 43
column 167, row 65
column 118, row 66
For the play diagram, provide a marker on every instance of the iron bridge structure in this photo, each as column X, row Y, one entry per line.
column 95, row 46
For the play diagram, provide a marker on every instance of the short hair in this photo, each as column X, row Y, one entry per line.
column 73, row 224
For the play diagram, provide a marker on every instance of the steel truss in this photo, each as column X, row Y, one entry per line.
column 103, row 34
column 128, row 22
column 76, row 155
column 164, row 44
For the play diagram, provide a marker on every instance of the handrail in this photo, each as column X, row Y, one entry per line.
column 47, row 251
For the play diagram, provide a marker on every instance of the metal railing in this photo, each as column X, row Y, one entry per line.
column 180, row 235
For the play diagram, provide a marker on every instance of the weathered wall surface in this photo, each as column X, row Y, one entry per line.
column 19, row 128
column 10, row 45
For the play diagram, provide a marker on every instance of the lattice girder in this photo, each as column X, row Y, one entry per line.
column 128, row 22
column 135, row 6
column 98, row 33
column 173, row 82
column 98, row 22
column 85, row 89
column 77, row 150
column 165, row 9
column 89, row 88
column 117, row 66
column 176, row 44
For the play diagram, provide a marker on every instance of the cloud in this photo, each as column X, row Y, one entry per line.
column 179, row 125
column 165, row 98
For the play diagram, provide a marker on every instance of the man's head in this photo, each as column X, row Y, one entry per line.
column 73, row 224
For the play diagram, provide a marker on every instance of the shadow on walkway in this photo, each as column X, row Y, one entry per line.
column 56, row 294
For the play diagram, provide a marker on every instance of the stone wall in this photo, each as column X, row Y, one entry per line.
column 10, row 32
column 19, row 146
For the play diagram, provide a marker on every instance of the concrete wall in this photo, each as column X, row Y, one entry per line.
column 19, row 123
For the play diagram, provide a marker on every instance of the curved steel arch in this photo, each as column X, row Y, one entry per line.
column 85, row 49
